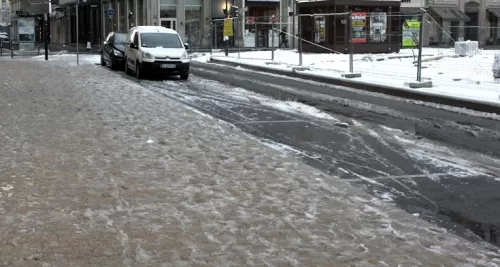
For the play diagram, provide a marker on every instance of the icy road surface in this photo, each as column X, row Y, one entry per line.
column 98, row 171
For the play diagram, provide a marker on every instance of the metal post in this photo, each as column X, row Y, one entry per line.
column 1, row 48
column 77, row 34
column 420, row 48
column 238, row 35
column 227, row 38
column 46, row 37
column 351, row 48
column 272, row 39
column 293, row 24
column 215, row 34
column 300, row 43
column 10, row 39
column 212, row 39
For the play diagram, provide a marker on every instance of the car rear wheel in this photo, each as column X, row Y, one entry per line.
column 125, row 68
column 112, row 65
column 103, row 63
column 138, row 70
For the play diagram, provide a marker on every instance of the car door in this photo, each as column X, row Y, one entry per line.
column 134, row 51
column 130, row 54
column 106, row 47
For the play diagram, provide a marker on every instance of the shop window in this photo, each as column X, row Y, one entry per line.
column 168, row 11
column 194, row 22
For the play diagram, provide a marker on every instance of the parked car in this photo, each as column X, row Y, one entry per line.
column 113, row 49
column 156, row 50
column 4, row 37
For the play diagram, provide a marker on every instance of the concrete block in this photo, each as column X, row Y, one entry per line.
column 300, row 69
column 425, row 84
column 351, row 75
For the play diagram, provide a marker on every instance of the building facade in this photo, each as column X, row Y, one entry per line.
column 475, row 20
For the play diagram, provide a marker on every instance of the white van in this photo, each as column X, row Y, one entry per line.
column 155, row 50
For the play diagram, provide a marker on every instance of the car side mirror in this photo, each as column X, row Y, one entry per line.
column 133, row 46
column 186, row 45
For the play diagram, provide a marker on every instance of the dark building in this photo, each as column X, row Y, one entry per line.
column 375, row 28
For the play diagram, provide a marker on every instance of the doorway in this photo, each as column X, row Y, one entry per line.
column 170, row 23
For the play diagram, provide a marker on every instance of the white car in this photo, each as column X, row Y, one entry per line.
column 155, row 50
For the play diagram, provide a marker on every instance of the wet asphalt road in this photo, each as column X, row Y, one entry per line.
column 439, row 183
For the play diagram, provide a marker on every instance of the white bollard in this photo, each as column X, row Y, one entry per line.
column 496, row 66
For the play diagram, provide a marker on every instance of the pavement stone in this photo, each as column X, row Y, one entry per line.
column 81, row 184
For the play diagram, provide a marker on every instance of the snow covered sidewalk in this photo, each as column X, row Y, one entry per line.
column 458, row 77
column 98, row 171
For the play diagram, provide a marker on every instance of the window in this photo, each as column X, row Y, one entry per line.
column 168, row 8
column 194, row 23
column 120, row 38
column 165, row 40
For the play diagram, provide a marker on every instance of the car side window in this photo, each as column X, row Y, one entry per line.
column 136, row 38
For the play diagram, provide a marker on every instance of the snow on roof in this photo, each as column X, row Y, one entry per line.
column 153, row 29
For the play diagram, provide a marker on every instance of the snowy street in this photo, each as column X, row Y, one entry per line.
column 468, row 77
column 99, row 169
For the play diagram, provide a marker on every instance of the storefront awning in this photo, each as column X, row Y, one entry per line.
column 264, row 1
column 495, row 11
column 450, row 14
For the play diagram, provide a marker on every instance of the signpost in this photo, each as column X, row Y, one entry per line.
column 111, row 12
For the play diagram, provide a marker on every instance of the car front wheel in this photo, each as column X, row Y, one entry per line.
column 184, row 76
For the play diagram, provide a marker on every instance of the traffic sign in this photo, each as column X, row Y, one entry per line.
column 110, row 12
column 228, row 27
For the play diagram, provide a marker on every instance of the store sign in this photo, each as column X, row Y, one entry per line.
column 359, row 27
column 411, row 30
column 412, row 3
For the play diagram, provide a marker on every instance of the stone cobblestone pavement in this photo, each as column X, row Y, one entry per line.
column 97, row 171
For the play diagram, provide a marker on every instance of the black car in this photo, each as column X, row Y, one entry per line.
column 113, row 49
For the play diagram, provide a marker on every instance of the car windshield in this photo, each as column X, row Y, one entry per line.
column 120, row 38
column 165, row 40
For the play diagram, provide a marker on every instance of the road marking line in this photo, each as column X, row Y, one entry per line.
column 257, row 122
column 412, row 176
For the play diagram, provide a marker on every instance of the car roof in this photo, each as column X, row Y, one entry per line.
column 143, row 29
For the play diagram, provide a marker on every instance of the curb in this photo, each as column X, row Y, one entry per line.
column 476, row 105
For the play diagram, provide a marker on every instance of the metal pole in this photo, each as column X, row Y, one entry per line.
column 238, row 35
column 420, row 48
column 77, row 39
column 227, row 38
column 46, row 37
column 351, row 48
column 10, row 39
column 272, row 39
column 293, row 24
column 215, row 34
column 1, row 47
column 300, row 43
column 212, row 39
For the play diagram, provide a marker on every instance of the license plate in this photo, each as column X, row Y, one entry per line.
column 167, row 66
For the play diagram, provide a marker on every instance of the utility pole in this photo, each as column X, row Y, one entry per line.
column 420, row 48
column 77, row 33
column 227, row 37
column 46, row 36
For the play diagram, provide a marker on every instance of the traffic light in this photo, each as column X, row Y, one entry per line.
column 235, row 11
